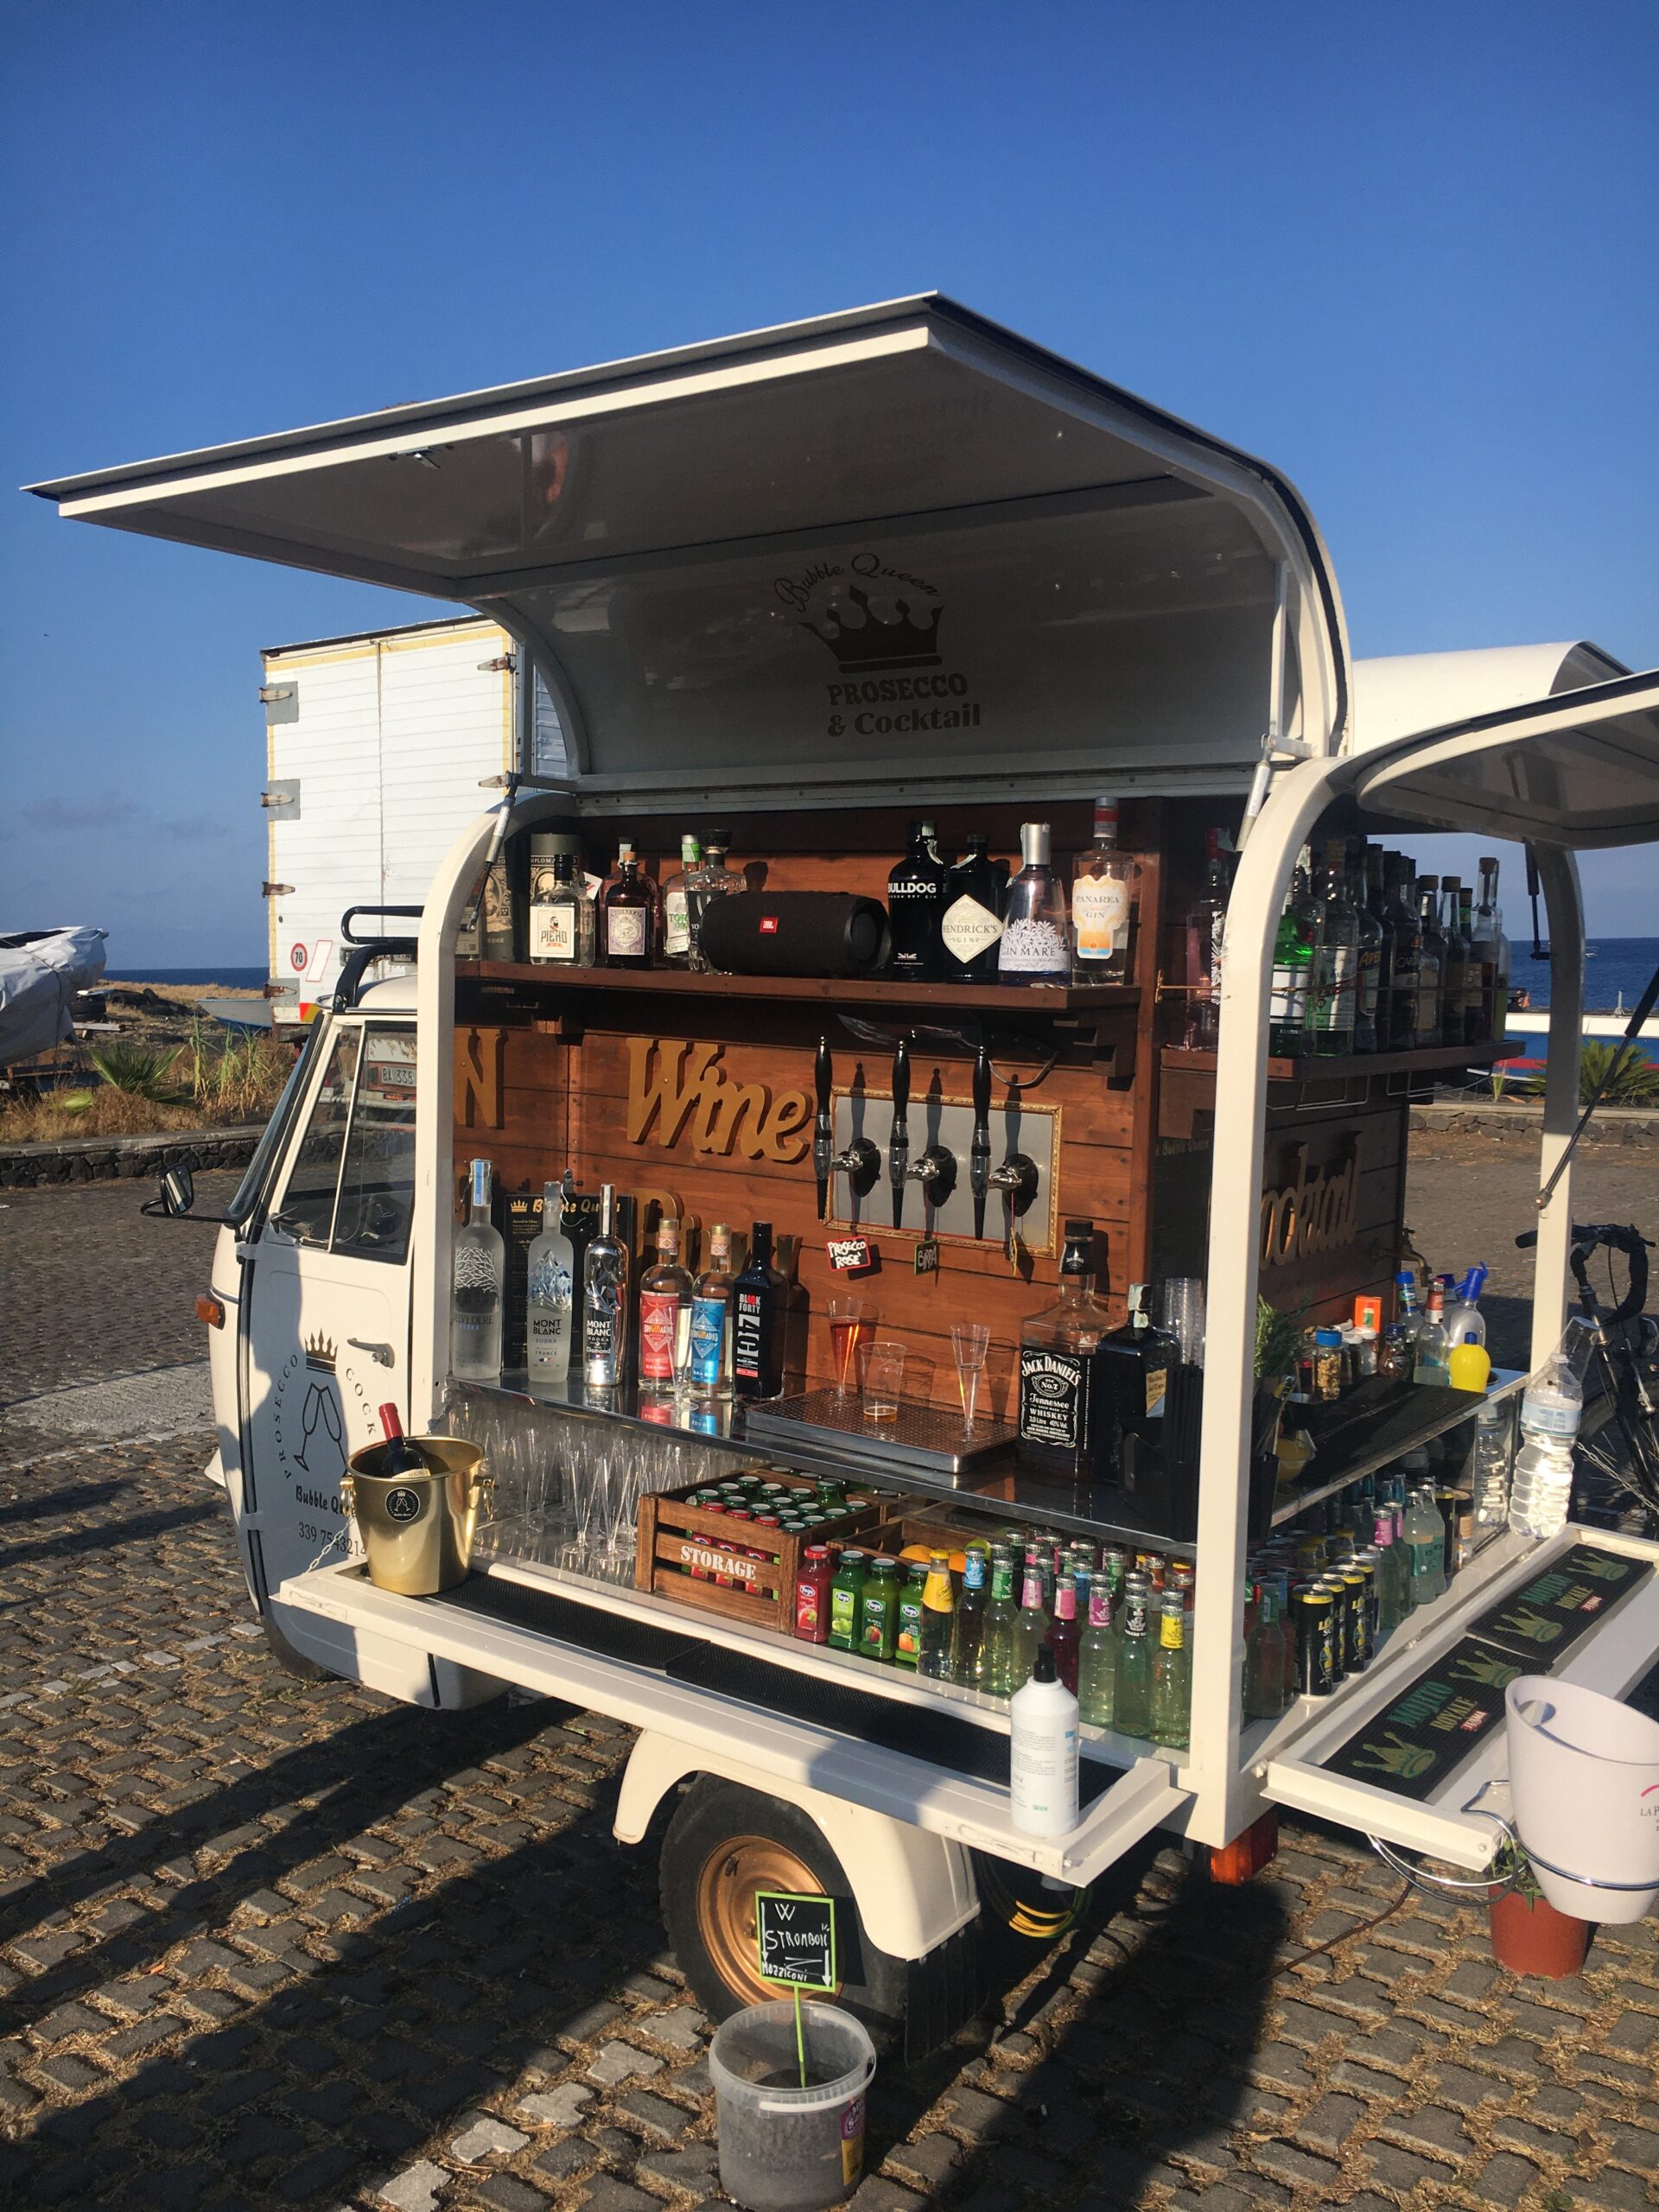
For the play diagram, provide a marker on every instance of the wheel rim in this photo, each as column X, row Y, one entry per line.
column 725, row 1919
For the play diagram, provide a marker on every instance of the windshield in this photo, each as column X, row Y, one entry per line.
column 239, row 1213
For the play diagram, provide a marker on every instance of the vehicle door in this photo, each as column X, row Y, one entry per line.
column 328, row 1322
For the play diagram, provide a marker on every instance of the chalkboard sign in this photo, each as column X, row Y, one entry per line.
column 796, row 1937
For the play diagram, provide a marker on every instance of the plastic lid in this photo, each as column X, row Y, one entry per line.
column 1327, row 1337
column 1042, row 1668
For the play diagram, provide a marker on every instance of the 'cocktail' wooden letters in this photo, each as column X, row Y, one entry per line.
column 672, row 1083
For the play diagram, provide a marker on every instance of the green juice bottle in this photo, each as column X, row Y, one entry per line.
column 907, row 1645
column 846, row 1600
column 878, row 1611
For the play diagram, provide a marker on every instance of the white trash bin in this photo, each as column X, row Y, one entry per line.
column 1584, row 1778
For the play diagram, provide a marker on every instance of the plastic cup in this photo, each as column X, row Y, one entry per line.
column 884, row 1379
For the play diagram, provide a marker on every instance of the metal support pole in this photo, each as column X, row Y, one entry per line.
column 1559, row 874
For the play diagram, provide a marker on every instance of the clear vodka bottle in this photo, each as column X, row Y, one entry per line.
column 605, row 1300
column 475, row 1305
column 550, row 1289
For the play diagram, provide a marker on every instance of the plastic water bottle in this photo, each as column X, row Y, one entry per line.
column 1494, row 1448
column 1542, row 1489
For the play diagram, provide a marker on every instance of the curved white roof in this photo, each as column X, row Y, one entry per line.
column 1397, row 694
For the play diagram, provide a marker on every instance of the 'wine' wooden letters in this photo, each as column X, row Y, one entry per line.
column 673, row 1082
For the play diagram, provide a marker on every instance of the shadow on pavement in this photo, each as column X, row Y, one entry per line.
column 135, row 1530
column 78, row 1498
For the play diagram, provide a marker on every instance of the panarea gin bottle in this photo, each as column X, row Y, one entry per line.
column 1057, row 1415
column 1104, row 895
column 475, row 1306
column 1036, row 946
column 550, row 1291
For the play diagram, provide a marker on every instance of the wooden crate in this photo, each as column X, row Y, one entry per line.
column 677, row 1555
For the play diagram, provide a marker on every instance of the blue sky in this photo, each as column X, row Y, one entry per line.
column 1404, row 250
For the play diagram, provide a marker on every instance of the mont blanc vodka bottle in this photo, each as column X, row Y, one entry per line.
column 1036, row 944
column 475, row 1305
column 550, row 1291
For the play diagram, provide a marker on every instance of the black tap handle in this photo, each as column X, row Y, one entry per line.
column 900, row 1080
column 823, row 1075
column 823, row 1130
column 982, row 1085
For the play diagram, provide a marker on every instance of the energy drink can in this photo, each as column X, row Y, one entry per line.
column 1337, row 1590
column 1314, row 1612
column 1359, row 1623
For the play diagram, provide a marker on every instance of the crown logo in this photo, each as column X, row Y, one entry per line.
column 320, row 1352
column 865, row 640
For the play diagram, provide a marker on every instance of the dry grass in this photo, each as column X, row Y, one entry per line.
column 211, row 1081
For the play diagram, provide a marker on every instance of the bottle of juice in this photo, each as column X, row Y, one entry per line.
column 907, row 1643
column 878, row 1610
column 846, row 1598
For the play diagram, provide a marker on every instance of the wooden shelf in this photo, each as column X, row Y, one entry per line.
column 829, row 990
column 1176, row 1059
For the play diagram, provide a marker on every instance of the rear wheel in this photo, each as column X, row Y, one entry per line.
column 723, row 1843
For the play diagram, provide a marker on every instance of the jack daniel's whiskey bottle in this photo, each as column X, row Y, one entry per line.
column 1058, row 1412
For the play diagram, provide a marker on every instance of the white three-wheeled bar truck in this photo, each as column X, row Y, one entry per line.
column 803, row 586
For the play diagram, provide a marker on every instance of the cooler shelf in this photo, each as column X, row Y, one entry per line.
column 1376, row 1423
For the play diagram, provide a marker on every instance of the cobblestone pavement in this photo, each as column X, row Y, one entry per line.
column 266, row 1944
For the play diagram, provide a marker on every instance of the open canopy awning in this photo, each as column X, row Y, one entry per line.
column 892, row 546
column 1579, row 770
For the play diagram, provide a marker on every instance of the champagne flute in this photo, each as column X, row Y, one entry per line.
column 971, row 1341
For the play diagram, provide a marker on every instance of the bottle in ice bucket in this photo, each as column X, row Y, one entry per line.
column 400, row 1456
column 938, row 1619
column 908, row 1644
column 1172, row 1674
column 1132, row 1695
column 967, row 1625
column 878, row 1610
column 1098, row 1655
column 847, row 1599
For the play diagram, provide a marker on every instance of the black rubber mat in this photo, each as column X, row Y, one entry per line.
column 914, row 1732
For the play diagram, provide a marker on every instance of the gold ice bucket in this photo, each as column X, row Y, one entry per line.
column 417, row 1529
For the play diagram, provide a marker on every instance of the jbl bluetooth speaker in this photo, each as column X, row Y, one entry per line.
column 795, row 933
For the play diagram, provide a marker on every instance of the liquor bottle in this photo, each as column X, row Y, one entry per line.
column 1105, row 898
column 1454, row 964
column 1042, row 1753
column 1057, row 1367
column 1036, row 945
column 1373, row 898
column 934, row 1662
column 1425, row 1534
column 916, row 912
column 400, row 1457
column 1097, row 1656
column 1494, row 953
column 480, row 1256
column 561, row 919
column 1474, row 1010
column 1431, row 962
column 908, row 1644
column 995, row 1674
column 1206, row 924
column 665, row 1313
column 1133, row 1367
column 971, row 928
column 714, row 879
column 1030, row 1623
column 1368, row 977
column 550, row 1293
column 1333, row 991
column 711, row 1319
column 676, row 905
column 1132, row 1690
column 605, row 1300
column 1065, row 1635
column 627, row 916
column 967, row 1627
column 1292, row 954
column 1172, row 1675
column 1407, row 950
column 1433, row 1348
column 761, row 1297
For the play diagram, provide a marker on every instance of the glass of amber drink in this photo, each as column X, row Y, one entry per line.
column 851, row 1320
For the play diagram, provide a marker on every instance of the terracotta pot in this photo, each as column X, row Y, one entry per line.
column 1529, row 1936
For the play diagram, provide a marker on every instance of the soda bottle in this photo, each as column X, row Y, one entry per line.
column 967, row 1626
column 1098, row 1655
column 1030, row 1621
column 1172, row 1674
column 1064, row 1635
column 1132, row 1697
column 1425, row 1547
column 938, row 1619
column 1264, row 1659
column 996, row 1666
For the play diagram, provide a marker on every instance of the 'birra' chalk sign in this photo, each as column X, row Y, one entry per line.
column 797, row 1939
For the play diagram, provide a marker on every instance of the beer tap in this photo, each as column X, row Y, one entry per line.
column 1017, row 1180
column 935, row 1171
column 979, row 1152
column 823, row 1130
column 899, row 1136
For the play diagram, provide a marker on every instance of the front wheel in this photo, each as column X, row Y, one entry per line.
column 723, row 1843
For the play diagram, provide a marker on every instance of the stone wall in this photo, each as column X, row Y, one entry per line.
column 104, row 1160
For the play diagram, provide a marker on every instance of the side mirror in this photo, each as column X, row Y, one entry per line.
column 178, row 1192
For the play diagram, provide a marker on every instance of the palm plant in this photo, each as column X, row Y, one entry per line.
column 140, row 1073
column 1635, row 1083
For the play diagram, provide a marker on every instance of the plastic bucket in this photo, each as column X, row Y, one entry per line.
column 783, row 2148
column 1584, row 1777
column 417, row 1529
